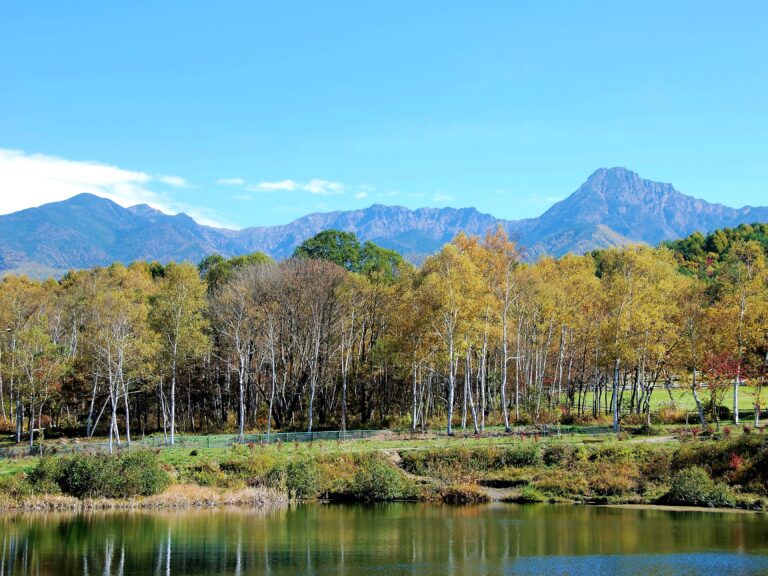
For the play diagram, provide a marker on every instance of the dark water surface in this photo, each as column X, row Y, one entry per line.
column 413, row 539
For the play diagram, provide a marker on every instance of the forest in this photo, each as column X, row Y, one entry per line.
column 348, row 335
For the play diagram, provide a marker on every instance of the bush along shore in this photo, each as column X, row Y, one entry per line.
column 724, row 472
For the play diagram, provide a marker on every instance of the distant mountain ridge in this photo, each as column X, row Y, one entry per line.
column 616, row 206
column 612, row 208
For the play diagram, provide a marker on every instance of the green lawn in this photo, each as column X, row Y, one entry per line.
column 683, row 398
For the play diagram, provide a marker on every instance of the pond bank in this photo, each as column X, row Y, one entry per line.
column 706, row 473
column 176, row 497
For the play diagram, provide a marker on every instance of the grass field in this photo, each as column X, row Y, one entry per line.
column 682, row 398
column 180, row 455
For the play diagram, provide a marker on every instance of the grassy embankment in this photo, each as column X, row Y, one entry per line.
column 729, row 469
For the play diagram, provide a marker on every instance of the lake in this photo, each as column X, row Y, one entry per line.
column 394, row 539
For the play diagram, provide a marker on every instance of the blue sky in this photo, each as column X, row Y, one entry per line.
column 255, row 113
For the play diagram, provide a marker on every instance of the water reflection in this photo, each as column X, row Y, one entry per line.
column 407, row 539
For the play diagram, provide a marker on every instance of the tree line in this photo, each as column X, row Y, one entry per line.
column 345, row 334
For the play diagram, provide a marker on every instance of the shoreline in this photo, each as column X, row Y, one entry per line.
column 186, row 498
column 179, row 497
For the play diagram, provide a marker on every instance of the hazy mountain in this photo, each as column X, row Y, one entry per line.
column 87, row 231
column 613, row 207
column 413, row 233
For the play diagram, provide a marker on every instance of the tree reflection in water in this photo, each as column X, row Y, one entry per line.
column 393, row 539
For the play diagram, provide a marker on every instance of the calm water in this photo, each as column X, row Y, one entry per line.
column 412, row 539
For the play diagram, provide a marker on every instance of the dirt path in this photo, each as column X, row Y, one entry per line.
column 394, row 457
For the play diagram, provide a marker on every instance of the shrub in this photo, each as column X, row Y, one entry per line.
column 83, row 475
column 669, row 414
column 655, row 464
column 690, row 486
column 754, row 474
column 524, row 419
column 249, row 463
column 124, row 475
column 16, row 486
column 634, row 419
column 336, row 473
column 693, row 486
column 685, row 436
column 377, row 480
column 722, row 496
column 301, row 479
column 206, row 473
column 613, row 453
column 716, row 456
column 518, row 455
column 608, row 479
column 139, row 473
column 649, row 430
column 455, row 464
column 563, row 483
column 276, row 479
column 531, row 495
column 45, row 476
column 723, row 412
column 464, row 493
column 562, row 454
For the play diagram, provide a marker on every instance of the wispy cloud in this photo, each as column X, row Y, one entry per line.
column 286, row 185
column 231, row 182
column 29, row 180
column 440, row 197
column 323, row 187
column 175, row 181
column 363, row 191
column 315, row 186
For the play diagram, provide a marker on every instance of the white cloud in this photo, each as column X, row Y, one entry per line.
column 175, row 181
column 315, row 186
column 29, row 180
column 363, row 191
column 244, row 197
column 231, row 182
column 323, row 187
column 440, row 197
column 287, row 185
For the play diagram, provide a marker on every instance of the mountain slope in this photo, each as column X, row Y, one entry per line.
column 413, row 233
column 613, row 207
column 87, row 230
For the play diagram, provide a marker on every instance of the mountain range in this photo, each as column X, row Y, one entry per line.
column 612, row 208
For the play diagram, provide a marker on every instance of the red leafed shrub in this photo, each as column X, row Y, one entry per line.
column 735, row 461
